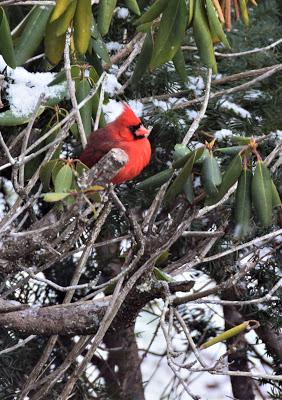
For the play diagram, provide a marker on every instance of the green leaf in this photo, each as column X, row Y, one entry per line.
column 56, row 169
column 244, row 12
column 144, row 59
column 33, row 33
column 229, row 177
column 95, row 61
column 202, row 36
column 171, row 32
column 227, row 334
column 190, row 11
column 82, row 90
column 63, row 180
column 262, row 194
column 82, row 22
column 60, row 8
column 211, row 176
column 45, row 173
column 145, row 28
column 95, row 188
column 133, row 6
column 189, row 190
column 53, row 44
column 229, row 150
column 177, row 185
column 64, row 21
column 6, row 43
column 180, row 150
column 105, row 14
column 276, row 201
column 156, row 180
column 162, row 276
column 242, row 212
column 215, row 24
column 179, row 64
column 52, row 197
column 179, row 163
column 80, row 168
column 240, row 140
column 100, row 49
column 61, row 76
column 152, row 13
column 9, row 118
column 203, row 156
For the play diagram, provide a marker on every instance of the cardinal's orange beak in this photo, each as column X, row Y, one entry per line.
column 142, row 131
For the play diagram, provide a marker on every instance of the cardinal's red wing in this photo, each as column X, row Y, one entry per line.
column 96, row 148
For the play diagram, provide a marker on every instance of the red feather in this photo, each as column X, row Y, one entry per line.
column 126, row 133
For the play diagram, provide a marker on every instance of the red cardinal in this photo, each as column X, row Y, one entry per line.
column 126, row 133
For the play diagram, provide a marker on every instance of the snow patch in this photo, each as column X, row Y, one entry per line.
column 122, row 12
column 111, row 84
column 197, row 84
column 234, row 107
column 222, row 134
column 137, row 107
column 191, row 114
column 113, row 46
column 112, row 110
column 26, row 87
column 163, row 105
column 277, row 134
column 253, row 94
column 166, row 105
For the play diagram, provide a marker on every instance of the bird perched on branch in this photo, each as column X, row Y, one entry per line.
column 127, row 133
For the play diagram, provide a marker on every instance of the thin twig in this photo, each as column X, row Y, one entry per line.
column 26, row 138
column 99, row 110
column 71, row 87
column 6, row 150
column 194, row 126
column 21, row 343
column 239, row 54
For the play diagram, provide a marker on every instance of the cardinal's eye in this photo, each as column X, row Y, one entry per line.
column 134, row 128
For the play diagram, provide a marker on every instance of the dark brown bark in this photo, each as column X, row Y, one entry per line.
column 123, row 353
column 272, row 340
column 242, row 386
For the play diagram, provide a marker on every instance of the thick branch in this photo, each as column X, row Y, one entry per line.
column 68, row 319
column 83, row 318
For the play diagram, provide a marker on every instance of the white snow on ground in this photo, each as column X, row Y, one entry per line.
column 26, row 88
column 234, row 107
